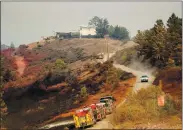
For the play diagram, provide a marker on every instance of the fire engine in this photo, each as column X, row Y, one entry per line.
column 108, row 104
column 84, row 117
column 88, row 116
column 102, row 109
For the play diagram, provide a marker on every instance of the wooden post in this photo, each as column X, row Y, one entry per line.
column 160, row 84
column 107, row 50
column 161, row 101
column 161, row 97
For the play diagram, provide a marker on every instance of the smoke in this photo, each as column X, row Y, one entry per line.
column 142, row 66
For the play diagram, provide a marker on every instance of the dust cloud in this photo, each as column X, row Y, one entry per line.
column 143, row 67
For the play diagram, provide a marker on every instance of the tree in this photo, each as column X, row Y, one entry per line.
column 7, row 75
column 161, row 45
column 152, row 44
column 2, row 69
column 2, row 106
column 120, row 33
column 83, row 92
column 101, row 26
column 94, row 21
column 112, row 77
column 175, row 38
column 60, row 64
column 174, row 29
column 110, row 30
column 159, row 38
column 12, row 46
column 116, row 34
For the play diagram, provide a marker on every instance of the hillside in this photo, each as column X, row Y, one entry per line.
column 52, row 76
column 88, row 44
column 58, row 77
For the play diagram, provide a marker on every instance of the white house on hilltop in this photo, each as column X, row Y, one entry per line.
column 87, row 31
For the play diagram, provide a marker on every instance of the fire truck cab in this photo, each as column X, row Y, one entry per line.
column 84, row 117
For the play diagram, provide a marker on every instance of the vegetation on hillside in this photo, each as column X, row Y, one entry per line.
column 161, row 45
column 83, row 92
column 8, row 73
column 142, row 107
column 12, row 46
column 55, row 89
column 102, row 28
column 100, row 24
column 125, row 56
column 118, row 32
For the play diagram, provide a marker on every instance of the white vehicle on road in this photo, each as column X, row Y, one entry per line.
column 144, row 78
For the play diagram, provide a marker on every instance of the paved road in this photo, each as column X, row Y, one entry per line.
column 103, row 124
column 55, row 124
column 138, row 85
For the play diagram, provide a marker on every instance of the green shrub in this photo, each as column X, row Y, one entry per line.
column 59, row 63
column 124, row 58
column 83, row 92
column 171, row 62
column 143, row 105
column 113, row 77
column 169, row 107
column 128, row 113
column 39, row 46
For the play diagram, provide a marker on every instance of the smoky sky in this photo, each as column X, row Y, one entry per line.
column 26, row 22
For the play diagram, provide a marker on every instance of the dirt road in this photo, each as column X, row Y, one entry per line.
column 138, row 85
column 106, row 124
column 20, row 64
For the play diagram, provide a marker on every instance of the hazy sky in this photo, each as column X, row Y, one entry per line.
column 26, row 22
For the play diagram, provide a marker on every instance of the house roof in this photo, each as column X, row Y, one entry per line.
column 87, row 27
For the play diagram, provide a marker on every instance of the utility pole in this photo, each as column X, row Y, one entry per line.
column 106, row 36
column 107, row 50
column 80, row 32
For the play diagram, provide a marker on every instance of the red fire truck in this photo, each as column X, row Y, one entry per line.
column 97, row 111
column 84, row 117
column 102, row 109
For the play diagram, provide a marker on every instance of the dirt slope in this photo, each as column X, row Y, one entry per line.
column 21, row 65
column 90, row 45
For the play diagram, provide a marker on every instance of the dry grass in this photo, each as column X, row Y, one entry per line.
column 142, row 108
